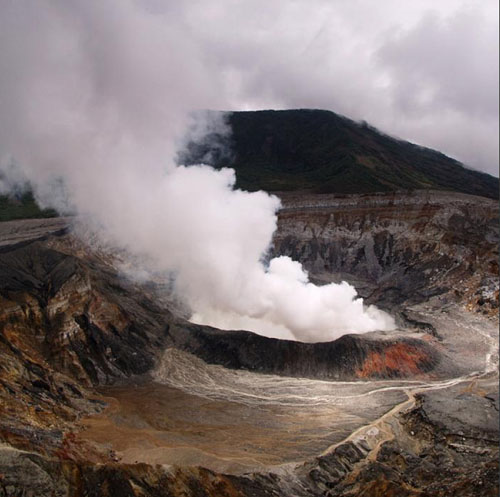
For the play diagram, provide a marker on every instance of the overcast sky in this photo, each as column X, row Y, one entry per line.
column 425, row 71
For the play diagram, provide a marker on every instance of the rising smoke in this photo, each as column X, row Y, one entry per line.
column 95, row 99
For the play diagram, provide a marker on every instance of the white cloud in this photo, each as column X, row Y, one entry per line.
column 99, row 94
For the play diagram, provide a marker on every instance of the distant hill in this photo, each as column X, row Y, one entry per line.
column 323, row 152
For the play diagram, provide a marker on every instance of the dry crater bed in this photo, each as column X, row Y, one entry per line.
column 105, row 388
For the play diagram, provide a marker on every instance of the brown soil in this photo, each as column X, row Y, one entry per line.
column 157, row 424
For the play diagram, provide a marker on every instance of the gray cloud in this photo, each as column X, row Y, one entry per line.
column 424, row 71
column 444, row 84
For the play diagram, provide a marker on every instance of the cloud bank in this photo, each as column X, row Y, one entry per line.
column 423, row 71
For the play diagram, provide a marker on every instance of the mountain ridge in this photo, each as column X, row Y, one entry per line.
column 323, row 152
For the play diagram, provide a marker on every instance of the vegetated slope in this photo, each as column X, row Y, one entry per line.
column 324, row 152
column 22, row 207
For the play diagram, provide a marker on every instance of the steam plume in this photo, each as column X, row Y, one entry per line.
column 85, row 101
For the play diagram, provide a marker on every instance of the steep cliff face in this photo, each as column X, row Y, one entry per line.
column 399, row 247
column 66, row 324
column 398, row 250
column 82, row 318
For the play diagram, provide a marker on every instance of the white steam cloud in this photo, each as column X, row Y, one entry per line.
column 98, row 94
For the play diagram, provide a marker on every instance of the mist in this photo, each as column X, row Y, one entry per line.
column 93, row 118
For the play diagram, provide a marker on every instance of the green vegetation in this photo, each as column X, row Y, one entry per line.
column 324, row 152
column 22, row 207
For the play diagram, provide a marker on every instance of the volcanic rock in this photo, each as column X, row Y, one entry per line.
column 70, row 321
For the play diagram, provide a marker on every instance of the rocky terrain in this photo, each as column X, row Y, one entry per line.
column 397, row 247
column 105, row 389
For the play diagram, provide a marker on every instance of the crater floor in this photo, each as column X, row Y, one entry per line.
column 106, row 390
column 196, row 414
column 241, row 422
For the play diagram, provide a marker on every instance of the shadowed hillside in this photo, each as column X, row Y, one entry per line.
column 324, row 152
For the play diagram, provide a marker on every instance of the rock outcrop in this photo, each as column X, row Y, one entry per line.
column 397, row 247
column 348, row 358
column 80, row 317
column 66, row 325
